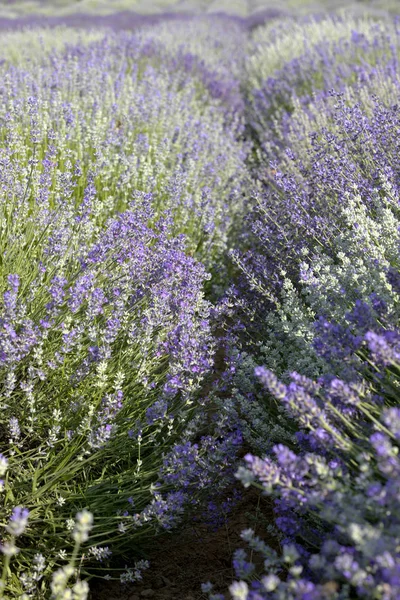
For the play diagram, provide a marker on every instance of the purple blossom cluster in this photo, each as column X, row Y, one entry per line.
column 318, row 301
column 122, row 166
column 337, row 493
column 300, row 207
column 323, row 238
column 129, row 116
column 337, row 52
column 121, row 339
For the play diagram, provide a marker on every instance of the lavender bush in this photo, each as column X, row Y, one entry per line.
column 324, row 234
column 105, row 111
column 29, row 45
column 320, row 301
column 290, row 66
column 103, row 347
column 337, row 496
column 121, row 166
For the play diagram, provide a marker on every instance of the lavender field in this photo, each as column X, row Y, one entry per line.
column 200, row 300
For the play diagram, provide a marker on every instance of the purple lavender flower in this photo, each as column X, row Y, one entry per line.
column 18, row 521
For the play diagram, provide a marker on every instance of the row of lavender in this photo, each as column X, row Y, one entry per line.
column 122, row 177
column 319, row 301
column 126, row 160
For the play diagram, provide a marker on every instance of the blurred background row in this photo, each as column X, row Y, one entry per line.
column 17, row 9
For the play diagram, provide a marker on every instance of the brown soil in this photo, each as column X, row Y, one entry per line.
column 182, row 562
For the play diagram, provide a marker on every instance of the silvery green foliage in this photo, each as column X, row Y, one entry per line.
column 261, row 423
column 337, row 495
column 330, row 284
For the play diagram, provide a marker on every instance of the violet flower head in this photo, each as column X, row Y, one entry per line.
column 18, row 521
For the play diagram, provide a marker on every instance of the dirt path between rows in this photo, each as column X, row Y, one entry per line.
column 183, row 561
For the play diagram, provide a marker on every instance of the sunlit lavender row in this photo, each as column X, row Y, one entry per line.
column 122, row 172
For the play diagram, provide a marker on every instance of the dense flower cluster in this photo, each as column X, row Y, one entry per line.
column 320, row 299
column 101, row 361
column 337, row 496
column 324, row 233
column 106, row 114
column 121, row 167
column 292, row 64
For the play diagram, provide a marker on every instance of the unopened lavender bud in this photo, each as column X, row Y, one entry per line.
column 9, row 549
column 239, row 590
column 60, row 580
column 80, row 590
column 18, row 521
column 83, row 525
column 206, row 587
column 3, row 465
column 245, row 476
column 270, row 582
